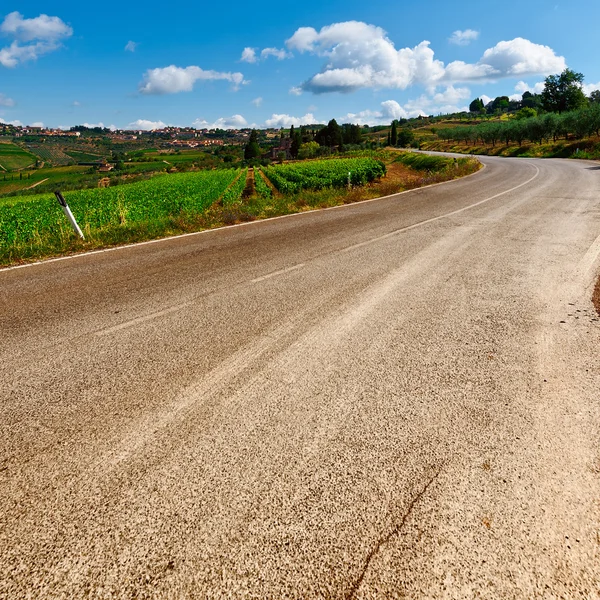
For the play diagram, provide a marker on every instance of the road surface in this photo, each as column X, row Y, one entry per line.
column 398, row 398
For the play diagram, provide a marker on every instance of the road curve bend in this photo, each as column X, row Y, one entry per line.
column 397, row 398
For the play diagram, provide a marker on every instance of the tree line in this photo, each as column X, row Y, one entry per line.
column 536, row 129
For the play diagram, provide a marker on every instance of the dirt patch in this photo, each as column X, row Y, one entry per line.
column 596, row 296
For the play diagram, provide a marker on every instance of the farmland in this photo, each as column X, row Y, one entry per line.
column 14, row 157
column 33, row 226
column 317, row 175
column 31, row 223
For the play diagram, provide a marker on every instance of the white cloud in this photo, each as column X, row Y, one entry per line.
column 131, row 46
column 390, row 110
column 358, row 55
column 588, row 88
column 257, row 102
column 277, row 121
column 141, row 124
column 172, row 79
column 536, row 88
column 485, row 99
column 296, row 91
column 362, row 56
column 463, row 38
column 16, row 123
column 46, row 28
column 442, row 102
column 31, row 37
column 278, row 54
column 446, row 102
column 6, row 101
column 249, row 55
column 101, row 125
column 522, row 57
column 233, row 122
column 36, row 124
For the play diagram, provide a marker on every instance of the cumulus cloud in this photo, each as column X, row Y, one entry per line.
column 6, row 101
column 131, row 46
column 233, row 122
column 463, row 38
column 172, row 79
column 276, row 52
column 522, row 57
column 101, row 125
column 249, row 55
column 257, row 102
column 536, row 88
column 37, row 124
column 16, row 123
column 358, row 55
column 445, row 102
column 141, row 124
column 588, row 88
column 278, row 121
column 296, row 91
column 31, row 37
column 390, row 110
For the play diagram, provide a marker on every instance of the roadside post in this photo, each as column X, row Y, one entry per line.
column 349, row 181
column 68, row 213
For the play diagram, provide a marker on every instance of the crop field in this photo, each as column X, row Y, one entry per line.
column 51, row 153
column 427, row 162
column 14, row 157
column 31, row 220
column 321, row 174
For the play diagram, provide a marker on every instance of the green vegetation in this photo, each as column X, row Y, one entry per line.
column 543, row 129
column 261, row 187
column 14, row 157
column 426, row 162
column 33, row 225
column 316, row 175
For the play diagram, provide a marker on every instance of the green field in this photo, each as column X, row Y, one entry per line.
column 13, row 157
column 30, row 224
column 321, row 174
column 47, row 179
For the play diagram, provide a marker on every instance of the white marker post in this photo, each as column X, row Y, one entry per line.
column 68, row 213
column 349, row 181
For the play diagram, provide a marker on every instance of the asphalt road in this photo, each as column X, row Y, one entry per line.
column 398, row 398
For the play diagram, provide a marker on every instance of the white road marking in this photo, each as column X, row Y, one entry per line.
column 143, row 319
column 433, row 219
column 280, row 272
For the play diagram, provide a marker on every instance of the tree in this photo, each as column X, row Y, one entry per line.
column 308, row 150
column 595, row 97
column 252, row 149
column 526, row 113
column 476, row 106
column 330, row 136
column 394, row 134
column 405, row 137
column 563, row 92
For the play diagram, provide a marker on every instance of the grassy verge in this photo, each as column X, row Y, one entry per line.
column 231, row 208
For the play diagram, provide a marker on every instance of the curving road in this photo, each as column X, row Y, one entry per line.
column 397, row 398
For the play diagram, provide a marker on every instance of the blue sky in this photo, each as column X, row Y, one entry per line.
column 143, row 65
